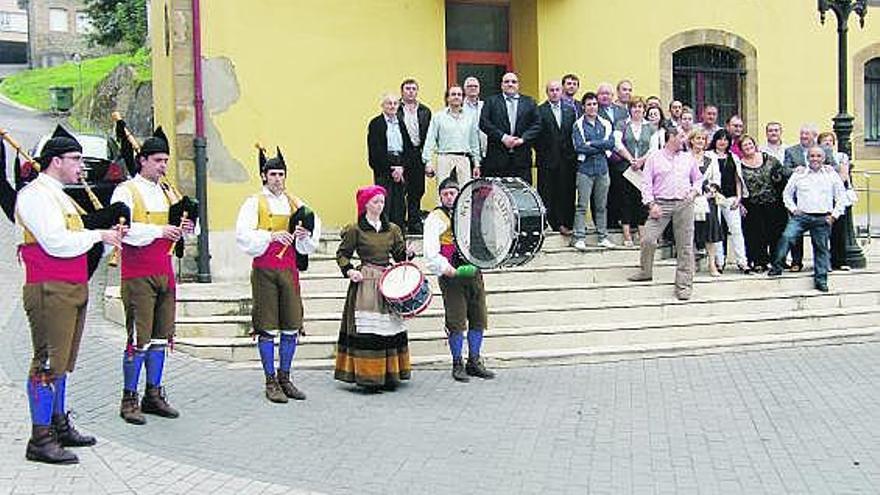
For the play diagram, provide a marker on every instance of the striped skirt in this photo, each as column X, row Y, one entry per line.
column 373, row 348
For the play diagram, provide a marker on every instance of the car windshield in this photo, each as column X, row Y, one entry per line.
column 94, row 147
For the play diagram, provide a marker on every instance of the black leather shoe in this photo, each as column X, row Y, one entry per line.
column 458, row 373
column 273, row 391
column 774, row 272
column 288, row 387
column 821, row 287
column 44, row 447
column 130, row 409
column 475, row 367
column 154, row 402
column 67, row 435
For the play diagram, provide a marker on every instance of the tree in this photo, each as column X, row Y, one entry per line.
column 117, row 22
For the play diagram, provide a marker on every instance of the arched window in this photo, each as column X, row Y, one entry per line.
column 872, row 101
column 709, row 75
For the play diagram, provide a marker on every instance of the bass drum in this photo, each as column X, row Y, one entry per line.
column 498, row 222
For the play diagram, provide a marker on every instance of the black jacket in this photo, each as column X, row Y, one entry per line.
column 554, row 148
column 377, row 144
column 410, row 152
column 495, row 124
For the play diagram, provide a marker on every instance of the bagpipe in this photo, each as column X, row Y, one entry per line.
column 182, row 207
column 108, row 217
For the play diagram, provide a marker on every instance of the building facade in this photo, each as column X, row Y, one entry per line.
column 58, row 31
column 307, row 76
column 13, row 33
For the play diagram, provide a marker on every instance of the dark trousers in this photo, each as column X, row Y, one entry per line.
column 395, row 203
column 616, row 196
column 797, row 251
column 556, row 187
column 838, row 239
column 762, row 227
column 819, row 230
column 414, row 182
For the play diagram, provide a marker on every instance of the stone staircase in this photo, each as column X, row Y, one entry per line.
column 563, row 306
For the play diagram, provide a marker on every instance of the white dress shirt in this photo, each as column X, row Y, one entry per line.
column 815, row 191
column 253, row 241
column 434, row 227
column 142, row 234
column 42, row 207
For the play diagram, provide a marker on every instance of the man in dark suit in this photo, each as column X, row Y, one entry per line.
column 555, row 159
column 385, row 145
column 511, row 123
column 415, row 119
column 617, row 115
column 797, row 156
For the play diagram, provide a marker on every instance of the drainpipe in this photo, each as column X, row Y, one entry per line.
column 200, row 145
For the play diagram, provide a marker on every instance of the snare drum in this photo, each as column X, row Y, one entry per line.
column 405, row 289
column 498, row 222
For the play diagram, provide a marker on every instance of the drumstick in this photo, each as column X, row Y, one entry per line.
column 284, row 249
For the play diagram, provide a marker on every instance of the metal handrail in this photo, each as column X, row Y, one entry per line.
column 867, row 174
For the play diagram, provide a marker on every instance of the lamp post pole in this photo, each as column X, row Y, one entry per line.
column 843, row 121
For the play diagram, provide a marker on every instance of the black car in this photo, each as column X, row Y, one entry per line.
column 103, row 168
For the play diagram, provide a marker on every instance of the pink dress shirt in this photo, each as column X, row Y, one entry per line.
column 670, row 176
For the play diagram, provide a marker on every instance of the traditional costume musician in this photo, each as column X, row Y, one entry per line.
column 263, row 231
column 148, row 285
column 55, row 294
column 464, row 297
column 102, row 217
column 373, row 348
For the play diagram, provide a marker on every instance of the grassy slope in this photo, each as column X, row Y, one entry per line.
column 31, row 87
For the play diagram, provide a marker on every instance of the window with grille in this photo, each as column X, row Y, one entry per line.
column 709, row 75
column 872, row 101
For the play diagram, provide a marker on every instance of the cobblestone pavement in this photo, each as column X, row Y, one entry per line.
column 799, row 420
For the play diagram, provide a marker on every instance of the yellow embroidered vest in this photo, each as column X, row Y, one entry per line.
column 266, row 220
column 139, row 211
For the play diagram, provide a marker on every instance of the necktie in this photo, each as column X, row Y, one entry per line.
column 511, row 113
column 557, row 112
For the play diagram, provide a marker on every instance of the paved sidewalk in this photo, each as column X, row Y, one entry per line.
column 798, row 420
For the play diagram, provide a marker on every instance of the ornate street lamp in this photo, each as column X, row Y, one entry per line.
column 843, row 122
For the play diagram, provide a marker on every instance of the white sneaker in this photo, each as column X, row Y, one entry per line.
column 628, row 243
column 606, row 243
column 580, row 245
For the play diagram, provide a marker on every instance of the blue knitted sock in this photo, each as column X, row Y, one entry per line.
column 266, row 346
column 59, row 403
column 475, row 342
column 132, row 362
column 40, row 399
column 286, row 350
column 456, row 342
column 155, row 364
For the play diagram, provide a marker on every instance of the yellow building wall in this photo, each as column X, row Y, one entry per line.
column 163, row 74
column 311, row 75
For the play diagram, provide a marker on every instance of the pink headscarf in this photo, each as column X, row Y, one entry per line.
column 365, row 194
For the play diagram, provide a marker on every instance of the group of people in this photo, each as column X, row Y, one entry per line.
column 623, row 160
column 617, row 157
column 274, row 227
column 55, row 255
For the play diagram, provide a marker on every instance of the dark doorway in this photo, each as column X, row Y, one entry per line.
column 478, row 44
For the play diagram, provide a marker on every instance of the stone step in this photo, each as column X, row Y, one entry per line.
column 607, row 353
column 330, row 241
column 604, row 303
column 546, row 342
column 556, row 293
